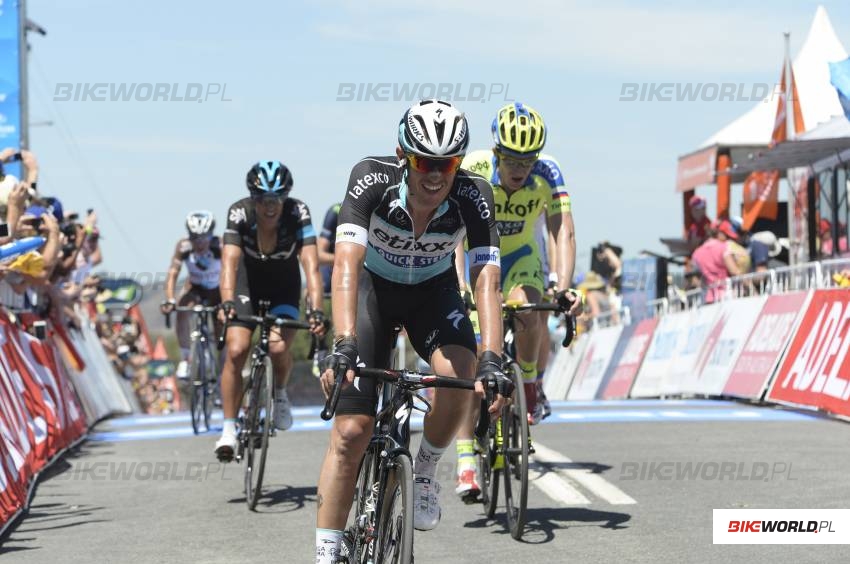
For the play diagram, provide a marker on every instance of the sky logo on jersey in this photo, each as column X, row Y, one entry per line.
column 238, row 215
column 485, row 255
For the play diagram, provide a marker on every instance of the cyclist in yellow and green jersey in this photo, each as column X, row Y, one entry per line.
column 526, row 184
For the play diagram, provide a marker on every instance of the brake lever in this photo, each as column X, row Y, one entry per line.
column 570, row 331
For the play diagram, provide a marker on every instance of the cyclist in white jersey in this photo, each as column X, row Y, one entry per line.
column 201, row 253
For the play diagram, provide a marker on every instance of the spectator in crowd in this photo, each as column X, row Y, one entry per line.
column 8, row 182
column 607, row 263
column 827, row 244
column 598, row 298
column 699, row 227
column 719, row 258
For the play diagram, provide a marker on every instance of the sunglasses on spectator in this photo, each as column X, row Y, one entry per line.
column 425, row 165
column 521, row 163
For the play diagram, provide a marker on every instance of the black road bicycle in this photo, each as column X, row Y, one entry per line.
column 203, row 372
column 503, row 446
column 257, row 420
column 381, row 528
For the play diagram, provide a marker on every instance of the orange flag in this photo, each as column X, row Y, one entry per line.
column 761, row 188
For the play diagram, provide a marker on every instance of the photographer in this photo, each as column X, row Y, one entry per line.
column 8, row 182
column 606, row 263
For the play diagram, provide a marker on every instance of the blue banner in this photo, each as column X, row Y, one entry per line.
column 10, row 80
column 640, row 285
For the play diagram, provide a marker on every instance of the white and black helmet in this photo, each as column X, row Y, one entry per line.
column 200, row 223
column 433, row 128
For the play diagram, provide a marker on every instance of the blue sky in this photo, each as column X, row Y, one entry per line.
column 144, row 165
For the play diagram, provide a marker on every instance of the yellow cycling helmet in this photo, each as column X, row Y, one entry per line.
column 519, row 129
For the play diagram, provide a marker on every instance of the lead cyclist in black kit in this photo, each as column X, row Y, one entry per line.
column 267, row 235
column 400, row 222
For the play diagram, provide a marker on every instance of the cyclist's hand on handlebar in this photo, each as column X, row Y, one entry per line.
column 491, row 377
column 343, row 358
column 571, row 301
column 316, row 318
column 167, row 306
column 227, row 311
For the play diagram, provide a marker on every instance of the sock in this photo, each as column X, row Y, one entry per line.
column 229, row 427
column 327, row 545
column 427, row 459
column 529, row 380
column 540, row 375
column 280, row 393
column 465, row 455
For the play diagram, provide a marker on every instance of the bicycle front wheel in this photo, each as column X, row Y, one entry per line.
column 258, row 422
column 515, row 449
column 209, row 384
column 395, row 528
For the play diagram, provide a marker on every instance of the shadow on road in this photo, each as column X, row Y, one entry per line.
column 280, row 498
column 46, row 517
column 541, row 523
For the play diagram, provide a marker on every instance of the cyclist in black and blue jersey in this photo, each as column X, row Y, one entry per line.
column 268, row 234
column 399, row 224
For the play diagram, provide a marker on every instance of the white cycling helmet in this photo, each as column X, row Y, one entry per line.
column 433, row 128
column 200, row 223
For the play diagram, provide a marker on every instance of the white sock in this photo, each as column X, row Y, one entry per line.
column 229, row 427
column 280, row 394
column 327, row 545
column 427, row 459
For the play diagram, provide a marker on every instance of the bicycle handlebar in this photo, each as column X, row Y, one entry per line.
column 270, row 320
column 194, row 309
column 402, row 378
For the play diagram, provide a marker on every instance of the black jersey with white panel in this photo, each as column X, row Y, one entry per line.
column 295, row 230
column 374, row 214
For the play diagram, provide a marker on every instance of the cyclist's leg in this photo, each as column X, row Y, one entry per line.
column 523, row 281
column 237, row 344
column 354, row 420
column 441, row 332
column 467, row 461
column 280, row 342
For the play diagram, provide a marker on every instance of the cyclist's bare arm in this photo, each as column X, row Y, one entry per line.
column 173, row 272
column 310, row 263
column 562, row 227
column 230, row 257
column 488, row 301
column 460, row 266
column 348, row 261
column 323, row 247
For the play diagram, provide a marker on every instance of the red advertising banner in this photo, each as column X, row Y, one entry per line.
column 629, row 363
column 816, row 370
column 764, row 346
column 39, row 413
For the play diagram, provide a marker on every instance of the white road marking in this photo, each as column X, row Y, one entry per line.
column 595, row 483
column 555, row 486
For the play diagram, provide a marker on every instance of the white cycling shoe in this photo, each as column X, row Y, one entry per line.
column 282, row 412
column 426, row 503
column 225, row 447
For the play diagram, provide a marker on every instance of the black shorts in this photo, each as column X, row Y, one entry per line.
column 433, row 313
column 284, row 295
column 201, row 295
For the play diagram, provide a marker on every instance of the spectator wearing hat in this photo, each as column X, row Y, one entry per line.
column 698, row 228
column 8, row 181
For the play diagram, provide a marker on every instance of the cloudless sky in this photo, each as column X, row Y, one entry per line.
column 143, row 165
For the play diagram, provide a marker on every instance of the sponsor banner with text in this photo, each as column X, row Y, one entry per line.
column 699, row 325
column 635, row 341
column 671, row 329
column 816, row 370
column 596, row 359
column 560, row 372
column 767, row 341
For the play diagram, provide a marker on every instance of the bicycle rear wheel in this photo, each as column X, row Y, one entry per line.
column 395, row 528
column 258, row 421
column 515, row 439
column 197, row 378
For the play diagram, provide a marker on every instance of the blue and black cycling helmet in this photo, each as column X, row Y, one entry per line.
column 269, row 177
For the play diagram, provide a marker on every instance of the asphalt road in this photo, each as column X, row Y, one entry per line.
column 616, row 482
